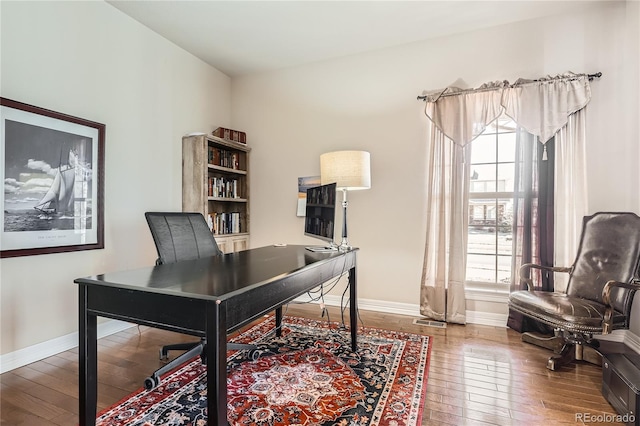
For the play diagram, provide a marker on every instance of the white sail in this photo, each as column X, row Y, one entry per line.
column 65, row 197
column 59, row 198
column 47, row 204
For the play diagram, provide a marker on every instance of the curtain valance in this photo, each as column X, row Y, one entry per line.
column 541, row 106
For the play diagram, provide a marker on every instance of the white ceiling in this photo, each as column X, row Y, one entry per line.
column 242, row 37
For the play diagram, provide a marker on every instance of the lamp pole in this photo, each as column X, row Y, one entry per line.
column 344, row 244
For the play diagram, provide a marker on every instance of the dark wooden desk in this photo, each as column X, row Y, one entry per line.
column 206, row 297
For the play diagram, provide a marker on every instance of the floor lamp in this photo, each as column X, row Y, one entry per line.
column 351, row 171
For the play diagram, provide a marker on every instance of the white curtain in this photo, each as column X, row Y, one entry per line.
column 556, row 106
column 542, row 107
column 463, row 114
column 442, row 295
column 456, row 121
column 570, row 192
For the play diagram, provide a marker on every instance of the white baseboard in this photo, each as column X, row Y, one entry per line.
column 410, row 309
column 487, row 318
column 632, row 340
column 52, row 347
column 22, row 357
column 622, row 336
column 473, row 317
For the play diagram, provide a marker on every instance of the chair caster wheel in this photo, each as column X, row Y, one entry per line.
column 253, row 354
column 151, row 382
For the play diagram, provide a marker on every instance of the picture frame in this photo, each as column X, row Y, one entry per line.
column 304, row 183
column 52, row 166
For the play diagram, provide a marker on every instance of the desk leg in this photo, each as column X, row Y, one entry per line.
column 353, row 309
column 88, row 357
column 216, row 352
column 279, row 321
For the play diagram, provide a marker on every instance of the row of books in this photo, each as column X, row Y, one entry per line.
column 222, row 187
column 230, row 134
column 224, row 158
column 225, row 223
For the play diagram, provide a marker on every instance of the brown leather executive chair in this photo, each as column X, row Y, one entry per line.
column 599, row 294
column 180, row 236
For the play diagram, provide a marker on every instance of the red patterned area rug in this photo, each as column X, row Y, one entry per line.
column 308, row 376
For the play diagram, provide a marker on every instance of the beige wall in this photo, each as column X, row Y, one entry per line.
column 89, row 60
column 632, row 122
column 369, row 102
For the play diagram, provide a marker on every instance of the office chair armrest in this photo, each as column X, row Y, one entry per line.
column 607, row 322
column 606, row 290
column 525, row 267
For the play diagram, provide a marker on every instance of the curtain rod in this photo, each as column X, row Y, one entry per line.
column 424, row 98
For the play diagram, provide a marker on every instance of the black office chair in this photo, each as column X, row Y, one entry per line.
column 183, row 236
column 602, row 283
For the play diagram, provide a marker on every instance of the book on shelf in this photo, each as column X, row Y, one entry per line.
column 225, row 223
column 230, row 134
column 224, row 158
column 221, row 187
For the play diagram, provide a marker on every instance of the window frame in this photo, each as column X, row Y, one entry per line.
column 481, row 290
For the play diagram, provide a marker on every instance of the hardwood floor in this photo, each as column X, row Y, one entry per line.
column 478, row 375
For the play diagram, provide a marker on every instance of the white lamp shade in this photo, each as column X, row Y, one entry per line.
column 350, row 170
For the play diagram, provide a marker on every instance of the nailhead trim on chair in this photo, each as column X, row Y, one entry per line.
column 557, row 324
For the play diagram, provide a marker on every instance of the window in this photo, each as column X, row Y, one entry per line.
column 491, row 187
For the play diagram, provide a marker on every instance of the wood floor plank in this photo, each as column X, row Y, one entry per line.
column 478, row 375
column 36, row 406
column 18, row 416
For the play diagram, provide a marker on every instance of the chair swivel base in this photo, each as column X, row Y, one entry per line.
column 574, row 352
column 195, row 349
column 553, row 343
column 153, row 381
column 164, row 351
column 565, row 352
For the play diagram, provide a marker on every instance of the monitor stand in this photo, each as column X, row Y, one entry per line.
column 323, row 249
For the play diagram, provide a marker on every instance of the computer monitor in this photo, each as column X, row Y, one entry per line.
column 320, row 212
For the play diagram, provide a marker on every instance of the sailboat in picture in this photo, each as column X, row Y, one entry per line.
column 59, row 199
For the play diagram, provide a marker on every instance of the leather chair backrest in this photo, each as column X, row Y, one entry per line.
column 181, row 236
column 609, row 250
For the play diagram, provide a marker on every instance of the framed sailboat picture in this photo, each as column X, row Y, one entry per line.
column 52, row 165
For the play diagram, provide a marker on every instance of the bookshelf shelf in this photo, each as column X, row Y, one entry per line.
column 215, row 182
column 230, row 200
column 227, row 170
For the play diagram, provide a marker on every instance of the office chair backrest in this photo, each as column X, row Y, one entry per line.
column 609, row 250
column 181, row 236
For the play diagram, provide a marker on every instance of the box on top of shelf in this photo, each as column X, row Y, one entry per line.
column 230, row 134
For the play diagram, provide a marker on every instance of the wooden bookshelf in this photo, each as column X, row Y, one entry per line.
column 215, row 182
